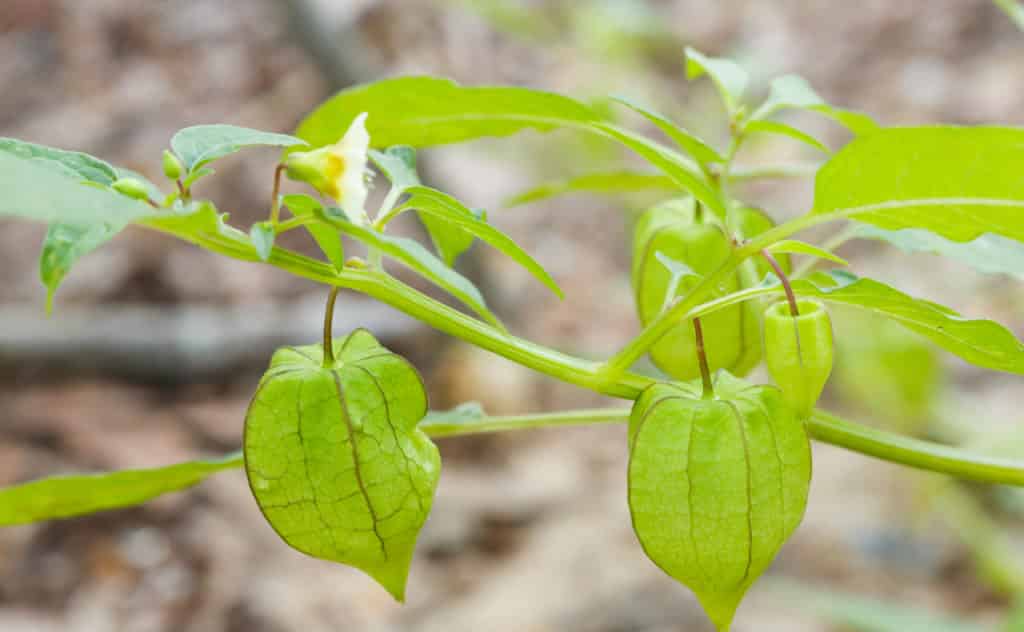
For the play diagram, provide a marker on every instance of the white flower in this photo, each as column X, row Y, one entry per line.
column 339, row 170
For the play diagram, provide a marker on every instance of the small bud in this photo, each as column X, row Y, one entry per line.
column 172, row 166
column 131, row 188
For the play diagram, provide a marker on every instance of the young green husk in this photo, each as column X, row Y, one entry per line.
column 798, row 351
column 716, row 485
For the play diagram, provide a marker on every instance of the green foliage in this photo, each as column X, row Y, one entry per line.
column 456, row 217
column 418, row 259
column 991, row 254
column 262, row 235
column 792, row 246
column 782, row 129
column 730, row 79
column 716, row 486
column 63, row 245
column 200, row 145
column 981, row 342
column 791, row 91
column 425, row 111
column 600, row 182
column 334, row 457
column 958, row 182
column 67, row 496
column 327, row 237
column 703, row 153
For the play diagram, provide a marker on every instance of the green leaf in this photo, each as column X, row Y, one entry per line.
column 981, row 342
column 425, row 111
column 327, row 237
column 687, row 141
column 195, row 176
column 413, row 255
column 335, row 460
column 454, row 216
column 958, row 182
column 63, row 245
column 991, row 254
column 675, row 166
column 782, row 129
column 791, row 91
column 730, row 79
column 600, row 182
column 50, row 191
column 67, row 496
column 83, row 165
column 398, row 163
column 716, row 486
column 201, row 144
column 262, row 235
column 795, row 247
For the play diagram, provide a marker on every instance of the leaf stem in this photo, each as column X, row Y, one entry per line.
column 275, row 195
column 702, row 360
column 329, row 327
column 794, row 309
column 823, row 426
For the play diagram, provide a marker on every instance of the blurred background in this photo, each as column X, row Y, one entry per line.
column 155, row 347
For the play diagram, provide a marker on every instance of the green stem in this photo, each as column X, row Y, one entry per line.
column 329, row 328
column 794, row 309
column 822, row 426
column 524, row 422
column 916, row 453
column 708, row 391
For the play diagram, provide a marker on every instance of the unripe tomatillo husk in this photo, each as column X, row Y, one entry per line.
column 681, row 232
column 798, row 351
column 716, row 485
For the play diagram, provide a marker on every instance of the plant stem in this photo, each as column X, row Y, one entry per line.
column 702, row 360
column 794, row 309
column 486, row 424
column 823, row 426
column 329, row 327
column 275, row 195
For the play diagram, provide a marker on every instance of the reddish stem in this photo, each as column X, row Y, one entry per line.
column 702, row 359
column 790, row 296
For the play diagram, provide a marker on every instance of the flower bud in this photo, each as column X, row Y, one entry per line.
column 131, row 187
column 172, row 166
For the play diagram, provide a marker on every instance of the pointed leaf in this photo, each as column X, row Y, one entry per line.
column 49, row 191
column 984, row 343
column 262, row 235
column 76, row 495
column 675, row 166
column 63, row 245
column 991, row 254
column 602, row 182
column 774, row 127
column 791, row 91
column 398, row 163
column 198, row 145
column 83, row 165
column 425, row 111
column 687, row 141
column 958, row 182
column 792, row 246
column 327, row 237
column 335, row 460
column 453, row 214
column 413, row 255
column 730, row 79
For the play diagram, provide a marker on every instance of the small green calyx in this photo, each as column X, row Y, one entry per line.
column 716, row 486
column 173, row 168
column 799, row 351
column 335, row 459
column 318, row 168
column 131, row 187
